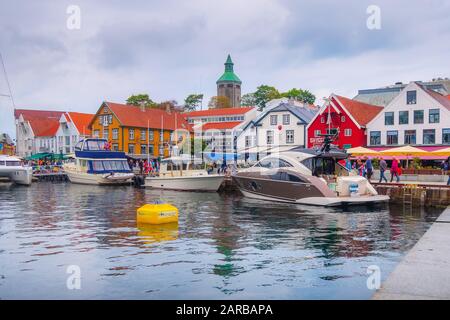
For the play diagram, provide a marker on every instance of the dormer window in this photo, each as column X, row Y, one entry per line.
column 411, row 97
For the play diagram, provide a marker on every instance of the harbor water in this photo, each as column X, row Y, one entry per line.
column 223, row 247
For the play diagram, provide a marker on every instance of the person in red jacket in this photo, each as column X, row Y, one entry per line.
column 394, row 170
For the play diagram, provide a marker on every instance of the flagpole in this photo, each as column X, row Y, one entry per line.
column 148, row 141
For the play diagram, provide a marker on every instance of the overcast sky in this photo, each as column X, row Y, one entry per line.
column 170, row 49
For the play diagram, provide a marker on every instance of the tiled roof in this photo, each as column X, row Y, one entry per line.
column 133, row 116
column 305, row 114
column 43, row 123
column 360, row 111
column 218, row 112
column 443, row 100
column 81, row 121
column 220, row 125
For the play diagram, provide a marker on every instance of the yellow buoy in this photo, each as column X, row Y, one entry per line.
column 157, row 213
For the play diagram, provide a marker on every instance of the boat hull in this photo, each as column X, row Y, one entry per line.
column 18, row 175
column 209, row 183
column 98, row 179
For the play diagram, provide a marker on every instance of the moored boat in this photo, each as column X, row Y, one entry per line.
column 181, row 173
column 306, row 176
column 96, row 164
column 11, row 167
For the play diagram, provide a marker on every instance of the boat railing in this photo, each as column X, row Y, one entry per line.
column 47, row 169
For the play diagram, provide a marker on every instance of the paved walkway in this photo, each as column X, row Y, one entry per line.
column 424, row 273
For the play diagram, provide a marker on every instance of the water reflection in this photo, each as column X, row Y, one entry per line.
column 222, row 246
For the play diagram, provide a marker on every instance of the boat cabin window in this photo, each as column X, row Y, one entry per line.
column 273, row 163
column 110, row 165
column 323, row 166
column 79, row 145
column 95, row 145
column 284, row 176
column 12, row 163
column 2, row 163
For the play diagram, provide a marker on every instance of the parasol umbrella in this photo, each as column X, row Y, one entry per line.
column 441, row 152
column 405, row 151
column 361, row 151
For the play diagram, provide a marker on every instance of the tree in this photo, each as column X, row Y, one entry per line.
column 219, row 102
column 192, row 101
column 264, row 94
column 248, row 100
column 300, row 95
column 170, row 105
column 140, row 99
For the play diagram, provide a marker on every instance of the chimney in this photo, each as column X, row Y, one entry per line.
column 142, row 106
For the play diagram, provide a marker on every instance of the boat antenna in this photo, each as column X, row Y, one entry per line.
column 7, row 83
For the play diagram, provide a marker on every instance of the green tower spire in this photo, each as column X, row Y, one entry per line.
column 229, row 75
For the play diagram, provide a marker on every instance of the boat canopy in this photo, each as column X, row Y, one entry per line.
column 334, row 153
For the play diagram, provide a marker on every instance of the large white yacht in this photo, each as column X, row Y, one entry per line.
column 96, row 164
column 11, row 167
column 183, row 173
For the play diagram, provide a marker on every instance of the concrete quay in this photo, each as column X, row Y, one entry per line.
column 424, row 273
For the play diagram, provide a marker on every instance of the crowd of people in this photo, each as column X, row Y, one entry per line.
column 365, row 168
column 144, row 166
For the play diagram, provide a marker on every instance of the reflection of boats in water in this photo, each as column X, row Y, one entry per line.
column 12, row 168
column 95, row 164
column 151, row 233
column 181, row 173
column 306, row 176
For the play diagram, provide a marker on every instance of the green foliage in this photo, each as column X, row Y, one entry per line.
column 140, row 99
column 376, row 163
column 264, row 94
column 300, row 95
column 416, row 163
column 248, row 100
column 192, row 101
column 219, row 102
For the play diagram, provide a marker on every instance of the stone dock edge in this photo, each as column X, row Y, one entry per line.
column 424, row 273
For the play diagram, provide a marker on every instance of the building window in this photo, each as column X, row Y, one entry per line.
column 105, row 134
column 96, row 133
column 273, row 120
column 418, row 116
column 150, row 135
column 317, row 133
column 130, row 148
column 375, row 138
column 411, row 97
column 100, row 120
column 248, row 141
column 286, row 118
column 110, row 119
column 143, row 135
column 161, row 136
column 115, row 134
column 429, row 136
column 433, row 116
column 348, row 132
column 131, row 134
column 115, row 147
column 403, row 117
column 270, row 137
column 105, row 110
column 289, row 136
column 410, row 136
column 342, row 118
column 143, row 149
column 445, row 136
column 332, row 131
column 392, row 137
column 388, row 118
column 150, row 149
column 322, row 119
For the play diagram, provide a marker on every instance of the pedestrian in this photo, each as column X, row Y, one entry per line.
column 448, row 170
column 394, row 170
column 348, row 164
column 369, row 168
column 141, row 166
column 383, row 167
column 360, row 167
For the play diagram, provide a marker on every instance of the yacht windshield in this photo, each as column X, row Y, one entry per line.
column 12, row 163
column 95, row 145
column 273, row 163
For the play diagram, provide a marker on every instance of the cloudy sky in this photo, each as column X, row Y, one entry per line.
column 170, row 49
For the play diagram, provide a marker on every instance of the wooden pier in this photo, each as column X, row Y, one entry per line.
column 436, row 195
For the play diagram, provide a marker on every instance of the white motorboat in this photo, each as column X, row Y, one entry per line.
column 95, row 164
column 11, row 167
column 182, row 173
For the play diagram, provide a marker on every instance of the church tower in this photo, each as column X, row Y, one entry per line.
column 229, row 85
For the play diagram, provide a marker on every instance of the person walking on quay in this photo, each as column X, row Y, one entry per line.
column 141, row 166
column 348, row 164
column 360, row 167
column 383, row 168
column 394, row 170
column 448, row 170
column 369, row 168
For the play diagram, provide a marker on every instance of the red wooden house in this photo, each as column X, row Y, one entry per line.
column 347, row 117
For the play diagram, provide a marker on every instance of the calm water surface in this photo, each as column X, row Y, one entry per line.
column 224, row 247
